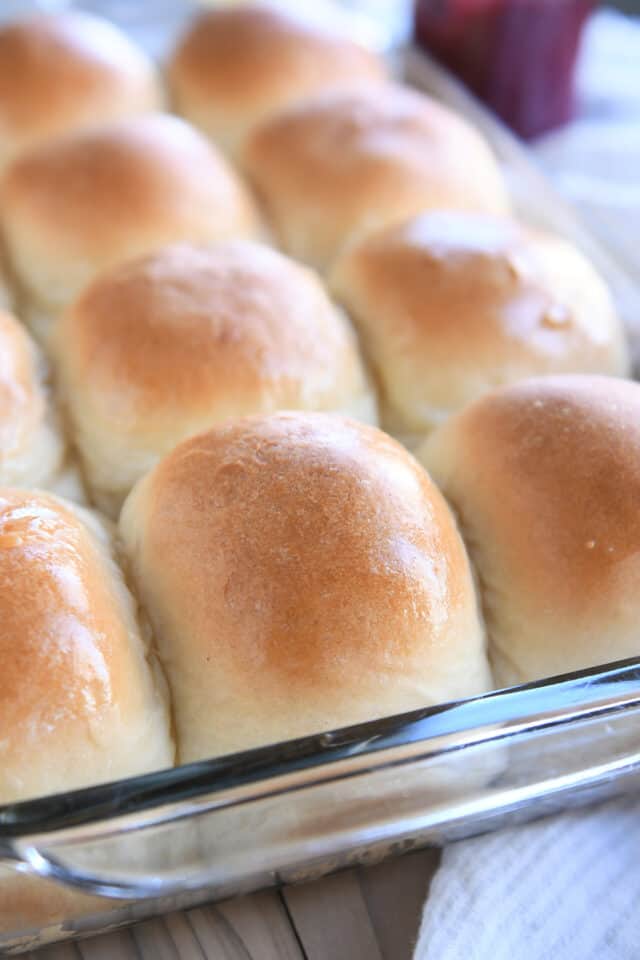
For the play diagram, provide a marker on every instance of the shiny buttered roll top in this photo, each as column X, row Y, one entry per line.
column 79, row 702
column 450, row 305
column 301, row 572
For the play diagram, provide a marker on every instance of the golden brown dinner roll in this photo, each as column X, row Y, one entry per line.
column 452, row 304
column 67, row 71
column 301, row 572
column 545, row 478
column 31, row 448
column 347, row 163
column 235, row 67
column 167, row 345
column 79, row 701
column 81, row 203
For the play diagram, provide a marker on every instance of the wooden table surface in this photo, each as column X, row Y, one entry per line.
column 370, row 913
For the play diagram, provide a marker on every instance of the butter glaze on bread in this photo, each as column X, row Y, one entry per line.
column 84, row 202
column 164, row 346
column 545, row 478
column 79, row 703
column 301, row 572
column 235, row 67
column 450, row 305
column 67, row 71
column 342, row 165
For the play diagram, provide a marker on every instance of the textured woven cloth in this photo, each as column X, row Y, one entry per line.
column 567, row 887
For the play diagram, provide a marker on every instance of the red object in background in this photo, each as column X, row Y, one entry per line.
column 517, row 55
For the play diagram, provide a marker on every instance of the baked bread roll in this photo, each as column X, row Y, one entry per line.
column 165, row 346
column 235, row 67
column 67, row 71
column 31, row 448
column 301, row 572
column 544, row 476
column 449, row 305
column 81, row 203
column 79, row 702
column 345, row 164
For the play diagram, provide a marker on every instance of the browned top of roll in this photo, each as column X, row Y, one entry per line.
column 545, row 475
column 48, row 569
column 450, row 304
column 564, row 452
column 217, row 329
column 235, row 66
column 82, row 202
column 346, row 163
column 73, row 676
column 66, row 71
column 327, row 581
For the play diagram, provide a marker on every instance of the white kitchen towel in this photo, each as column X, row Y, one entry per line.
column 565, row 888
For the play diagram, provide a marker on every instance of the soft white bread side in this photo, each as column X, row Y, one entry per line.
column 67, row 71
column 167, row 345
column 6, row 294
column 344, row 164
column 31, row 447
column 450, row 305
column 544, row 476
column 301, row 572
column 79, row 702
column 84, row 202
column 234, row 67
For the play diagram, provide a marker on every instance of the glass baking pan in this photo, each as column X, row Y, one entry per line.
column 89, row 860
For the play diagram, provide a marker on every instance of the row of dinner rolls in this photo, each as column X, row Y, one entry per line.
column 447, row 306
column 301, row 571
column 283, row 573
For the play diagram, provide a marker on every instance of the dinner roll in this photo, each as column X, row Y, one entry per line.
column 235, row 67
column 346, row 163
column 165, row 346
column 81, row 203
column 79, row 702
column 301, row 572
column 31, row 449
column 452, row 304
column 67, row 71
column 545, row 478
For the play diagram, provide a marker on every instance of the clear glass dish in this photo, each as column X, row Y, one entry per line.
column 89, row 860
